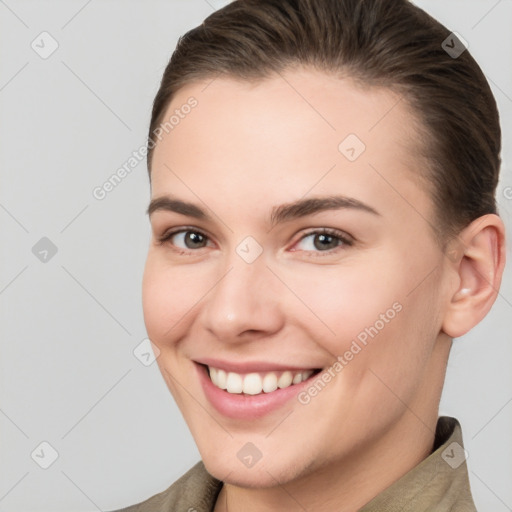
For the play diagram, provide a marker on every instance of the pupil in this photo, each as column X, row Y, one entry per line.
column 324, row 238
column 194, row 238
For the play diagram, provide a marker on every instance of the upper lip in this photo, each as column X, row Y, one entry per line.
column 250, row 366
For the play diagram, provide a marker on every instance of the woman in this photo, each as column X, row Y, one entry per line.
column 324, row 224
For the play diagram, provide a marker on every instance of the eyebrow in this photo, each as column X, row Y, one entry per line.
column 281, row 213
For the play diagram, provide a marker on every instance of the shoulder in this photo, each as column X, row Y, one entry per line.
column 195, row 491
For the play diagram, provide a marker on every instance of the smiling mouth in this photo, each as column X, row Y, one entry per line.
column 257, row 383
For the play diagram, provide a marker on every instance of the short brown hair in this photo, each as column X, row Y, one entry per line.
column 386, row 43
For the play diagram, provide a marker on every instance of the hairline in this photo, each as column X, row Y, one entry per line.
column 418, row 143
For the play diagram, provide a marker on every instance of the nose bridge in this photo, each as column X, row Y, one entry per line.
column 243, row 298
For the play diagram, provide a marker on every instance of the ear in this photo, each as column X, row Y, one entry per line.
column 477, row 258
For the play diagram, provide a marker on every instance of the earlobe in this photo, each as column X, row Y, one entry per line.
column 479, row 270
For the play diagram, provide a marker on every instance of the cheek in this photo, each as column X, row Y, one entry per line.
column 169, row 295
column 160, row 303
column 369, row 313
column 341, row 302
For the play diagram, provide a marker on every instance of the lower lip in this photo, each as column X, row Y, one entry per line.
column 242, row 406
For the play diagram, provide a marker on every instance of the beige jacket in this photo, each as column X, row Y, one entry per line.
column 438, row 484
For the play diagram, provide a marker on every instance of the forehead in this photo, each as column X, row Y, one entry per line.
column 283, row 136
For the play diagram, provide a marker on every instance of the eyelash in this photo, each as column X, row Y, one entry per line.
column 344, row 239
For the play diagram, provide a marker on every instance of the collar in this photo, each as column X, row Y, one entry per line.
column 440, row 482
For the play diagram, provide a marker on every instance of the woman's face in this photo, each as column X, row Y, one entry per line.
column 348, row 282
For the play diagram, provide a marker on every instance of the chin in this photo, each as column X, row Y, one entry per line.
column 260, row 475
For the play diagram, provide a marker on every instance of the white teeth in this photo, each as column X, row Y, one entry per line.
column 285, row 380
column 252, row 384
column 255, row 383
column 297, row 379
column 270, row 382
column 305, row 375
column 234, row 383
column 221, row 379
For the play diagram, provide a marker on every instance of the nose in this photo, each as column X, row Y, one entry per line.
column 244, row 304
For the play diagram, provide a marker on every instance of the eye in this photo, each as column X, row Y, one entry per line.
column 184, row 239
column 324, row 240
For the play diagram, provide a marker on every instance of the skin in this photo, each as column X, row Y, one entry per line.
column 246, row 148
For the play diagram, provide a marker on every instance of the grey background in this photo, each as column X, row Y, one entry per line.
column 70, row 324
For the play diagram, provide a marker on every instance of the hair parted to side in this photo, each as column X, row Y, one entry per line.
column 383, row 43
